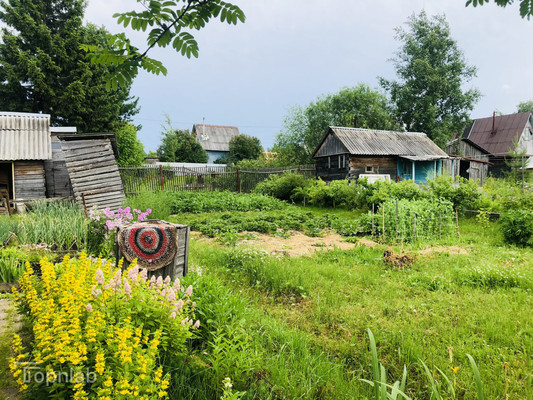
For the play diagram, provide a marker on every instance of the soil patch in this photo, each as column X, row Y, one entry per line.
column 298, row 244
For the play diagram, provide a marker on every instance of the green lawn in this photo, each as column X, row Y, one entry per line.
column 310, row 315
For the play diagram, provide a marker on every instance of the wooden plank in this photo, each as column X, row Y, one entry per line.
column 91, row 162
column 86, row 152
column 98, row 170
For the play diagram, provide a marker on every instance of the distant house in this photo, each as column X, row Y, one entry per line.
column 354, row 152
column 492, row 139
column 214, row 139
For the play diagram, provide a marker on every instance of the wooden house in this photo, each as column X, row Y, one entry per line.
column 214, row 139
column 24, row 146
column 493, row 138
column 352, row 152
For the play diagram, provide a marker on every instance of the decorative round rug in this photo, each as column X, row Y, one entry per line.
column 153, row 244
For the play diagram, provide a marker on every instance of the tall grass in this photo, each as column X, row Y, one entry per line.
column 7, row 228
column 60, row 224
column 311, row 315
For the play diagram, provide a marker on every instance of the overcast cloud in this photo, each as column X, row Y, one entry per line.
column 289, row 52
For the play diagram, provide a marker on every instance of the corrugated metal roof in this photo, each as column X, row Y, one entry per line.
column 375, row 142
column 214, row 137
column 507, row 128
column 25, row 136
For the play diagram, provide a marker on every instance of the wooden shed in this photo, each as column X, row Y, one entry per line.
column 352, row 152
column 24, row 146
column 84, row 167
column 493, row 138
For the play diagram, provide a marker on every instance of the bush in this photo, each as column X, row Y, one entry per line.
column 288, row 186
column 517, row 227
column 464, row 193
column 88, row 318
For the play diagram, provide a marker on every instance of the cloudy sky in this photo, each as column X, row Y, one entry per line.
column 289, row 52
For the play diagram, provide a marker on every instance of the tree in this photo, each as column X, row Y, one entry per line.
column 244, row 147
column 180, row 146
column 42, row 69
column 130, row 149
column 526, row 6
column 168, row 22
column 304, row 127
column 428, row 96
column 525, row 106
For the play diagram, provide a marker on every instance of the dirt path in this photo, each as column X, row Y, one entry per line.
column 10, row 322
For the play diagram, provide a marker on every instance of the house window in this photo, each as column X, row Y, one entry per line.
column 341, row 160
column 329, row 161
column 369, row 169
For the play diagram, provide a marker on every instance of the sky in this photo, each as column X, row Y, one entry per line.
column 290, row 52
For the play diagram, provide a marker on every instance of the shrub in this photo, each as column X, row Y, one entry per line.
column 88, row 318
column 8, row 226
column 517, row 227
column 286, row 187
column 465, row 193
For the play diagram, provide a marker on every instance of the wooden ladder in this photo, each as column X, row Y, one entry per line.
column 5, row 205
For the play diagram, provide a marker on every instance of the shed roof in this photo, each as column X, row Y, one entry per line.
column 25, row 136
column 360, row 141
column 507, row 128
column 214, row 137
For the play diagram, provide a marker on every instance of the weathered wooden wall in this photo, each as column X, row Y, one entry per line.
column 29, row 180
column 380, row 165
column 57, row 178
column 327, row 168
column 93, row 172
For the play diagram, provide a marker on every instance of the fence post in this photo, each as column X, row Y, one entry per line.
column 457, row 221
column 83, row 201
column 440, row 224
column 299, row 169
column 161, row 174
column 372, row 219
column 383, row 212
column 414, row 225
column 238, row 181
column 397, row 232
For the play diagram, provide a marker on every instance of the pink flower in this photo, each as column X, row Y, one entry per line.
column 179, row 304
column 184, row 321
column 144, row 274
column 132, row 273
column 95, row 292
column 173, row 315
column 167, row 280
column 196, row 324
column 188, row 292
column 159, row 281
column 127, row 287
column 177, row 284
column 89, row 307
column 110, row 225
column 100, row 276
column 171, row 296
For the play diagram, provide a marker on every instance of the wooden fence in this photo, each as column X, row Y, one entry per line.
column 203, row 179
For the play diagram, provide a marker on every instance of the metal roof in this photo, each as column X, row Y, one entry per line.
column 360, row 141
column 499, row 141
column 214, row 137
column 25, row 136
